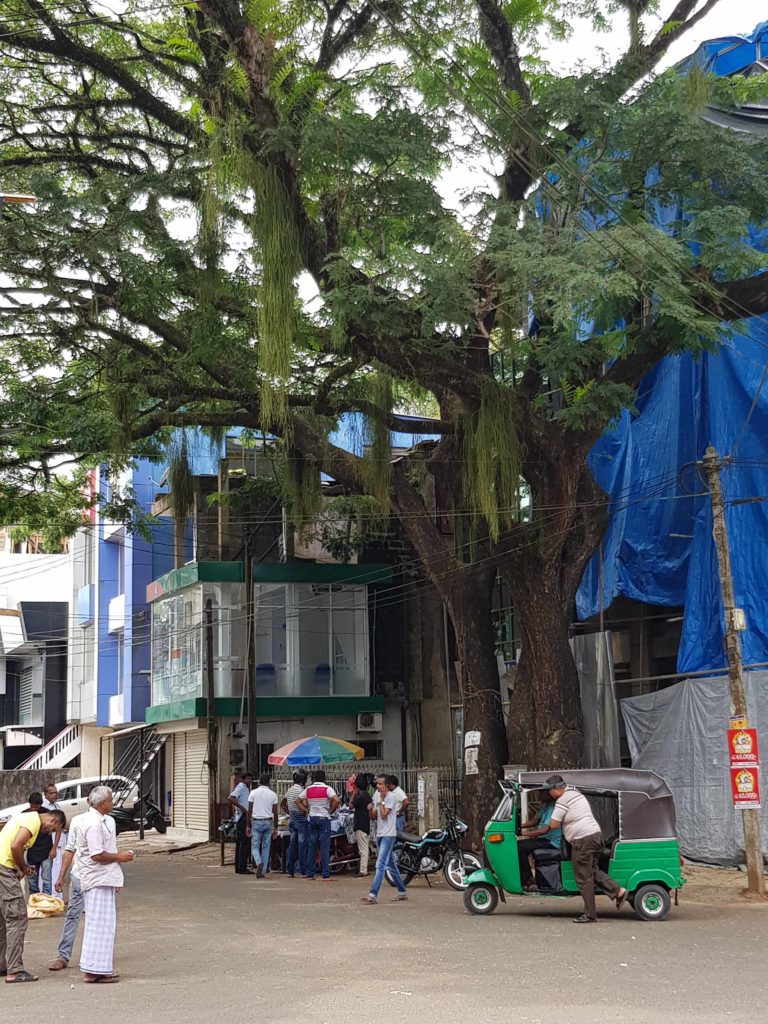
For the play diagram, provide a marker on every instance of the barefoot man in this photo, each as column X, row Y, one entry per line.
column 100, row 879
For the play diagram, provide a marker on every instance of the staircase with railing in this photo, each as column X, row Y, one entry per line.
column 58, row 752
column 136, row 759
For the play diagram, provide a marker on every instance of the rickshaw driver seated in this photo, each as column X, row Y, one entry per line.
column 581, row 829
column 537, row 835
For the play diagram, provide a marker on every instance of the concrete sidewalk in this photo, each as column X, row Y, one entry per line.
column 198, row 944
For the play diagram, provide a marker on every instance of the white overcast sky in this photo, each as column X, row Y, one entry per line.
column 729, row 18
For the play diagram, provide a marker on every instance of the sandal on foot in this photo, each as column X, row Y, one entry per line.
column 400, row 898
column 371, row 901
column 58, row 965
column 102, row 979
column 621, row 897
column 21, row 977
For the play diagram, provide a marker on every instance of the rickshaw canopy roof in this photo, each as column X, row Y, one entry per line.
column 605, row 780
column 646, row 805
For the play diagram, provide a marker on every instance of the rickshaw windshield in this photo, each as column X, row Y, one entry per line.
column 506, row 807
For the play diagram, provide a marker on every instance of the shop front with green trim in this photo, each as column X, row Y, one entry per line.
column 311, row 655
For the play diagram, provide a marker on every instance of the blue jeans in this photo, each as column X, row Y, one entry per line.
column 46, row 876
column 401, row 823
column 297, row 849
column 319, row 838
column 261, row 840
column 75, row 909
column 384, row 860
column 41, row 880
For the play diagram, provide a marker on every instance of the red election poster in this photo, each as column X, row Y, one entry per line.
column 745, row 787
column 742, row 748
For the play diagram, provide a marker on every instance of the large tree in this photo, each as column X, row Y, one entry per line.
column 201, row 167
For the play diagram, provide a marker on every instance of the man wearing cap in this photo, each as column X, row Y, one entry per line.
column 573, row 814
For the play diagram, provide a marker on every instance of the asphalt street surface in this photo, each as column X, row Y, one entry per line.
column 198, row 944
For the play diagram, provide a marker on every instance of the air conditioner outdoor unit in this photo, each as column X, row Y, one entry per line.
column 369, row 721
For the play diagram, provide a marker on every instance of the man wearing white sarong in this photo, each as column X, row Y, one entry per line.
column 100, row 878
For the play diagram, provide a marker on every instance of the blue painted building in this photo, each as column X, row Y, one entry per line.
column 110, row 634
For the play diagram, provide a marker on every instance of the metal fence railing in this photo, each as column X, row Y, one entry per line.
column 449, row 785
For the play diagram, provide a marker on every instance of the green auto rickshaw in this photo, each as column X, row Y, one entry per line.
column 636, row 813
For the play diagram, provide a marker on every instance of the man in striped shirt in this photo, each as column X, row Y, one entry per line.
column 318, row 801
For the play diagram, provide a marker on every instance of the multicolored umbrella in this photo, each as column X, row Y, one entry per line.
column 316, row 750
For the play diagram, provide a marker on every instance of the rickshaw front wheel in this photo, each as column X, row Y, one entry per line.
column 481, row 898
column 651, row 902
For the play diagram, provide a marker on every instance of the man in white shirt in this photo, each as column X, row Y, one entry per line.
column 100, row 878
column 297, row 826
column 76, row 905
column 318, row 801
column 238, row 801
column 262, row 824
column 401, row 800
column 383, row 810
column 581, row 829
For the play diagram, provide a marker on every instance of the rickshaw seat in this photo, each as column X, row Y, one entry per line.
column 551, row 856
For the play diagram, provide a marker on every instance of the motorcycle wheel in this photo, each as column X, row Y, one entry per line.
column 160, row 824
column 456, row 875
column 403, row 865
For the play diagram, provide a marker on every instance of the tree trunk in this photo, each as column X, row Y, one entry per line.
column 469, row 607
column 545, row 722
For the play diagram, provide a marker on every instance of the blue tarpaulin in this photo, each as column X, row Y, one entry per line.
column 658, row 547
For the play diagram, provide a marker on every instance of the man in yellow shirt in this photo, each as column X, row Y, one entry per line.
column 17, row 837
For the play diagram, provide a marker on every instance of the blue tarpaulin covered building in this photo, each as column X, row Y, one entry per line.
column 658, row 547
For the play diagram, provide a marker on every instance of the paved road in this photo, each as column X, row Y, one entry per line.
column 197, row 944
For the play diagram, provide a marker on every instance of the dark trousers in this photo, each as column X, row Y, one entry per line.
column 586, row 871
column 298, row 828
column 525, row 847
column 242, row 847
column 319, row 841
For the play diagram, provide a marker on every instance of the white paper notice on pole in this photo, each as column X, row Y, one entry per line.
column 472, row 739
column 470, row 761
column 420, row 798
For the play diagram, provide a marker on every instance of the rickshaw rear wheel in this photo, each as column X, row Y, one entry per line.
column 481, row 898
column 651, row 902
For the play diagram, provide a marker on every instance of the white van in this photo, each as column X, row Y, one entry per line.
column 72, row 795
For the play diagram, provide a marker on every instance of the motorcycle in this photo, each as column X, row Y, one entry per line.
column 439, row 849
column 127, row 819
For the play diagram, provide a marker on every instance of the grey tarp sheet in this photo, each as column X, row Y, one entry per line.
column 680, row 733
column 593, row 655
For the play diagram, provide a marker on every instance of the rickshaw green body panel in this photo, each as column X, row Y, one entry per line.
column 483, row 875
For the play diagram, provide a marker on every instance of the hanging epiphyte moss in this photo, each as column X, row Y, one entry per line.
column 122, row 399
column 301, row 486
column 276, row 238
column 181, row 483
column 490, row 450
column 377, row 461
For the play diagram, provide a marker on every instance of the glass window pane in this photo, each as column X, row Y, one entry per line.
column 313, row 616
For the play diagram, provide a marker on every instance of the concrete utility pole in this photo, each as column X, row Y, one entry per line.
column 753, row 847
column 210, row 721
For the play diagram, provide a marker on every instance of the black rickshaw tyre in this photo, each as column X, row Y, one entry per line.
column 651, row 902
column 471, row 863
column 481, row 898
